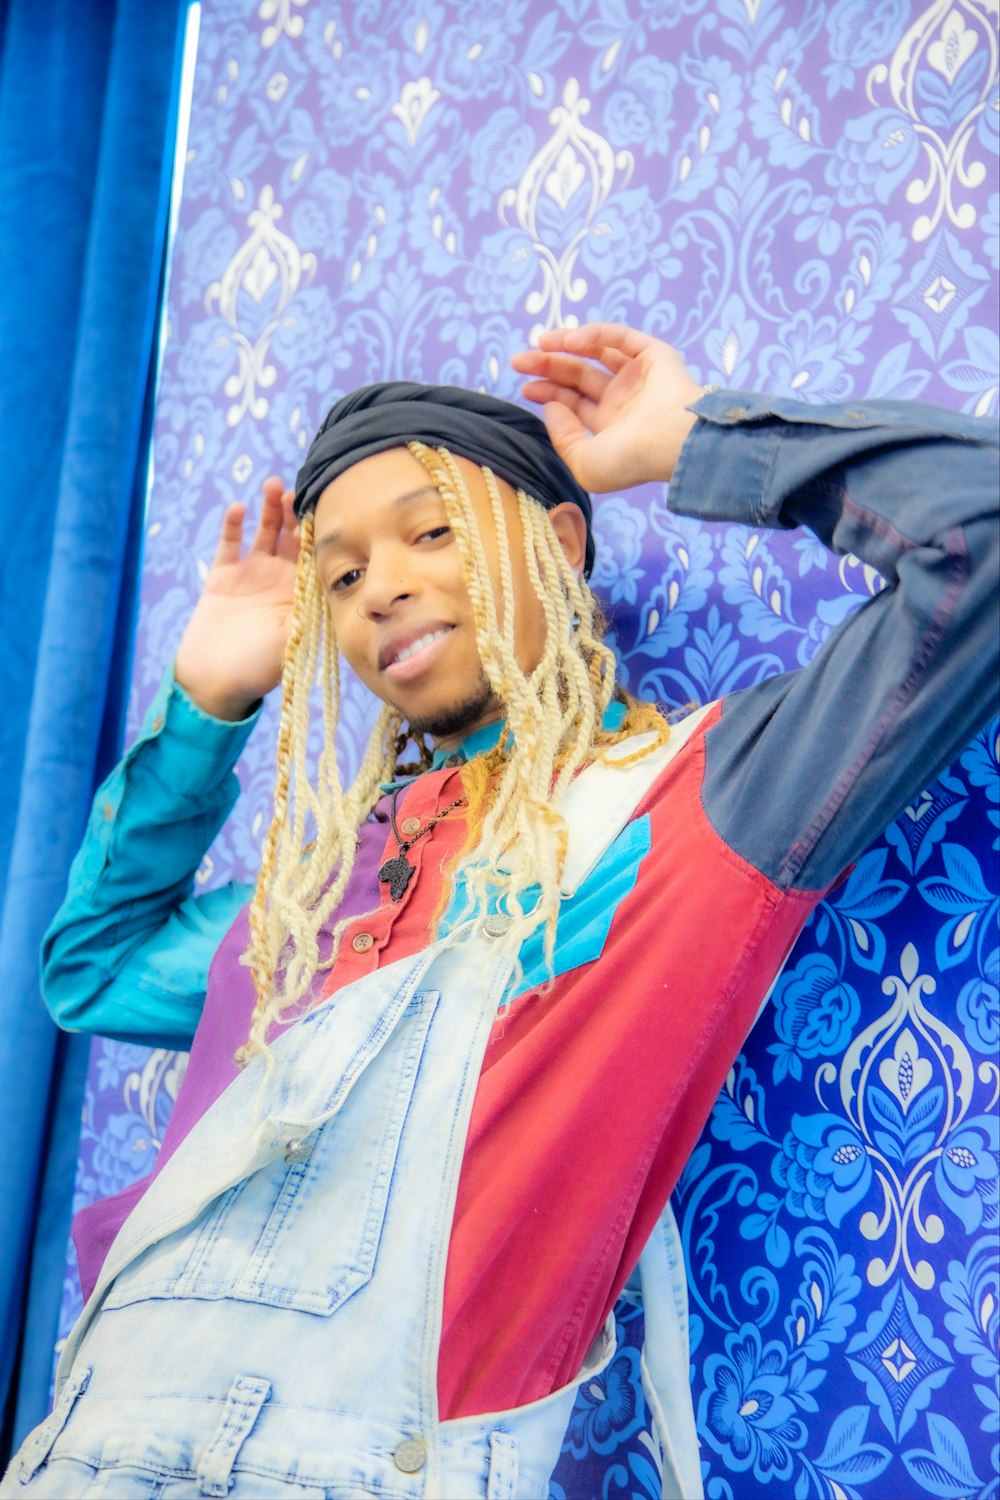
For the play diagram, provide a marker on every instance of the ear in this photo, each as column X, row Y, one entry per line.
column 571, row 529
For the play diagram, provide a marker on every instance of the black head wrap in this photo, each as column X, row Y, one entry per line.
column 509, row 440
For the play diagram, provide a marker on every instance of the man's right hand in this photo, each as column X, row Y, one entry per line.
column 231, row 652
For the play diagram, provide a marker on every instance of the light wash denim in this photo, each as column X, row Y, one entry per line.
column 268, row 1319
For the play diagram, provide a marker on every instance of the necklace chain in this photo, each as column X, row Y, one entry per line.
column 397, row 872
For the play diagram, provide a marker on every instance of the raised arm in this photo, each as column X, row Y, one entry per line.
column 128, row 952
column 805, row 769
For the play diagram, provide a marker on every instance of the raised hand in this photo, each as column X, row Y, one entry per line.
column 231, row 652
column 618, row 425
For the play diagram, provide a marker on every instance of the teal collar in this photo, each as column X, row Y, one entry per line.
column 485, row 738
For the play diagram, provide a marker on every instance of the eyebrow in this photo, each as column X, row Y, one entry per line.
column 330, row 538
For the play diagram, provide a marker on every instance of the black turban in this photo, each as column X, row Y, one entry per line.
column 509, row 440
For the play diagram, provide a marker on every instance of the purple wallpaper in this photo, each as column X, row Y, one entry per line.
column 804, row 198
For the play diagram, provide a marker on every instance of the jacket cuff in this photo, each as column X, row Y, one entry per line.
column 194, row 750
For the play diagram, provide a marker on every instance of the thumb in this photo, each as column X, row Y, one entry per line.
column 570, row 439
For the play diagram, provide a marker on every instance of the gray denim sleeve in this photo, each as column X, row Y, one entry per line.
column 804, row 770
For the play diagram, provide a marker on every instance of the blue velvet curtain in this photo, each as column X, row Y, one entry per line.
column 88, row 98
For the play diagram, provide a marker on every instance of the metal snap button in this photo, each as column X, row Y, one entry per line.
column 410, row 1455
column 409, row 825
column 296, row 1151
column 496, row 924
column 363, row 943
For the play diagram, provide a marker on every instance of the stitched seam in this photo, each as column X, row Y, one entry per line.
column 726, row 850
column 930, row 645
column 767, row 469
column 615, row 1234
column 770, row 903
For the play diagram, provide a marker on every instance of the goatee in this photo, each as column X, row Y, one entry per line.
column 448, row 722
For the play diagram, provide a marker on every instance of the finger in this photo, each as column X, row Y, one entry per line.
column 566, row 372
column 271, row 517
column 288, row 538
column 595, row 339
column 537, row 362
column 544, row 391
column 585, row 410
column 614, row 359
column 569, row 439
column 540, row 391
column 230, row 535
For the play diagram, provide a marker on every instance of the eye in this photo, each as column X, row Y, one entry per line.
column 434, row 534
column 346, row 580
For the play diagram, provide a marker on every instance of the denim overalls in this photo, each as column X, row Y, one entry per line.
column 268, row 1319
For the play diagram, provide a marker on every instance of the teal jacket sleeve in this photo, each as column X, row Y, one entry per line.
column 128, row 952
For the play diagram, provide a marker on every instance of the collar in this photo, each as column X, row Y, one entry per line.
column 485, row 738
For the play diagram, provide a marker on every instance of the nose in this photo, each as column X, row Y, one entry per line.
column 388, row 581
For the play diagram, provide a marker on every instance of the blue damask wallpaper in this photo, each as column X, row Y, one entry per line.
column 804, row 198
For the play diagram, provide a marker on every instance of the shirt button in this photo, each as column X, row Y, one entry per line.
column 496, row 924
column 410, row 1456
column 856, row 416
column 296, row 1151
column 363, row 943
column 108, row 812
column 455, row 759
column 409, row 825
column 157, row 724
column 735, row 413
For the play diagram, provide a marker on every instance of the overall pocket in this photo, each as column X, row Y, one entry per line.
column 303, row 1231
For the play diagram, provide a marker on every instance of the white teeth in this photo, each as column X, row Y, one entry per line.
column 419, row 644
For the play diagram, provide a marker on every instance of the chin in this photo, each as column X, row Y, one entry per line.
column 447, row 720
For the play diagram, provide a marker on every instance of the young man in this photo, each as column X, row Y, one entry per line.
column 365, row 1264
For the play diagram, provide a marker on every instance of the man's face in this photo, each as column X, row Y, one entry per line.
column 392, row 572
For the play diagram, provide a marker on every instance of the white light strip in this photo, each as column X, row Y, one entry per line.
column 192, row 30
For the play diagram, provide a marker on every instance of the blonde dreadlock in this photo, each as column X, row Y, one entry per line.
column 516, row 840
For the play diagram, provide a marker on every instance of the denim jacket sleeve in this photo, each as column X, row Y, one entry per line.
column 128, row 952
column 805, row 769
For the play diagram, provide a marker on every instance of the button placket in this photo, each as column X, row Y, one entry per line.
column 431, row 797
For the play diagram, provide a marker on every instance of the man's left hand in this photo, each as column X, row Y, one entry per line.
column 615, row 426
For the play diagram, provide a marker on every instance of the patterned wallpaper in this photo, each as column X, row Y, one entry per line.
column 804, row 198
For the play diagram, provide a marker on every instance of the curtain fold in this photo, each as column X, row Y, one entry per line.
column 88, row 99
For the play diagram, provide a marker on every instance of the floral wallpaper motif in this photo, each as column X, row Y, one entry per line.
column 804, row 198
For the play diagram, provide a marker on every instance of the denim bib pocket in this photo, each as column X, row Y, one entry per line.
column 257, row 1241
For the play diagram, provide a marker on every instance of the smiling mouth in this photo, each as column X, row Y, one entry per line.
column 416, row 655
